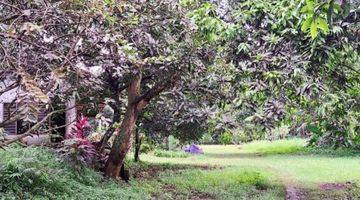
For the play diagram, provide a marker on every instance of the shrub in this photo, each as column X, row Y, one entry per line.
column 16, row 178
column 36, row 173
column 206, row 139
column 278, row 133
column 171, row 154
column 146, row 147
column 173, row 143
column 77, row 149
column 226, row 138
column 239, row 136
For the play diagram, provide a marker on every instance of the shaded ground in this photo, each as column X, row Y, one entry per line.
column 194, row 195
column 144, row 171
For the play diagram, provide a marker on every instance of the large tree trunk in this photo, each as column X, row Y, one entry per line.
column 122, row 141
column 136, row 103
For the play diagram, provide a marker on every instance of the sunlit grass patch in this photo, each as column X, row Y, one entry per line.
column 274, row 147
column 171, row 154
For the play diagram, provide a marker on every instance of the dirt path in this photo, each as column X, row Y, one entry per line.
column 294, row 193
column 293, row 189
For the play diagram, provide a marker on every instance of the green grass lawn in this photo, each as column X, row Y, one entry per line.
column 287, row 161
column 258, row 170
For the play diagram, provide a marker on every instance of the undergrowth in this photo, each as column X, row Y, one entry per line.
column 36, row 173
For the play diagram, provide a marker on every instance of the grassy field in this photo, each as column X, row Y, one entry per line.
column 286, row 162
column 259, row 170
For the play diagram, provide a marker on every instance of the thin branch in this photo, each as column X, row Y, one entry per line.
column 24, row 41
column 156, row 90
column 29, row 132
column 57, row 127
column 11, row 6
column 12, row 86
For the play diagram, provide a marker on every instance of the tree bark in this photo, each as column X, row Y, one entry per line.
column 71, row 115
column 136, row 103
column 137, row 146
column 1, row 112
column 104, row 140
column 122, row 141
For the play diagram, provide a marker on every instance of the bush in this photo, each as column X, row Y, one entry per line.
column 37, row 173
column 77, row 148
column 239, row 136
column 206, row 139
column 278, row 133
column 146, row 147
column 226, row 138
column 16, row 178
column 171, row 154
column 173, row 143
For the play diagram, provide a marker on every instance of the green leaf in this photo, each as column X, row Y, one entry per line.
column 308, row 7
column 304, row 9
column 313, row 30
column 314, row 129
column 337, row 7
column 323, row 25
column 306, row 24
column 212, row 37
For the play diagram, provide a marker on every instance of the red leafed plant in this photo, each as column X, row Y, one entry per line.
column 76, row 147
column 79, row 130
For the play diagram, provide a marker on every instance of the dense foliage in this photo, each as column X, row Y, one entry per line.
column 283, row 82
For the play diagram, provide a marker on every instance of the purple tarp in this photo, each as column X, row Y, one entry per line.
column 194, row 149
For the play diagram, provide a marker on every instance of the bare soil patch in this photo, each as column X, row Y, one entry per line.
column 337, row 186
column 195, row 195
column 294, row 193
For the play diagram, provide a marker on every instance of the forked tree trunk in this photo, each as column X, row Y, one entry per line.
column 136, row 103
column 122, row 142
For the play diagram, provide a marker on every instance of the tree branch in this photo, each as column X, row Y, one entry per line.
column 144, row 99
column 29, row 132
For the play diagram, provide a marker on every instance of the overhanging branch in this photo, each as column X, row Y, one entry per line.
column 144, row 99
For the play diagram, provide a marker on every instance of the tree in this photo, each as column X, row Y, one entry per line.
column 279, row 74
column 162, row 54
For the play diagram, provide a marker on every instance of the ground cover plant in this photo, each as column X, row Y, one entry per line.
column 37, row 173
